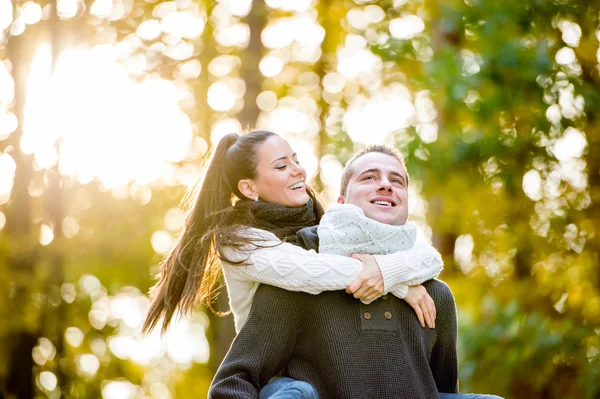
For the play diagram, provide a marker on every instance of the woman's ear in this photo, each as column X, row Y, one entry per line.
column 247, row 188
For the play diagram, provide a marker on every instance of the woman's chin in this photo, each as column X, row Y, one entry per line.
column 299, row 200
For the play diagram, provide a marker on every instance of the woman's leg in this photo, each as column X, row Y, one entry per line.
column 467, row 396
column 288, row 388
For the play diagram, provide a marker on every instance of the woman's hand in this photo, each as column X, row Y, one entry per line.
column 368, row 285
column 418, row 298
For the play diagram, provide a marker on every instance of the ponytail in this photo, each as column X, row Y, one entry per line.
column 191, row 271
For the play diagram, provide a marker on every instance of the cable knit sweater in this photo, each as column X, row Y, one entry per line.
column 295, row 269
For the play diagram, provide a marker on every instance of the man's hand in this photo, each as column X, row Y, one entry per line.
column 418, row 298
column 368, row 285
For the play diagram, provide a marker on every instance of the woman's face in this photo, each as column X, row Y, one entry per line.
column 280, row 178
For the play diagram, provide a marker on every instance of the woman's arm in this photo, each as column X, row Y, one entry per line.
column 420, row 263
column 292, row 268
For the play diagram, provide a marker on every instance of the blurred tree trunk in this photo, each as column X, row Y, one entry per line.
column 52, row 320
column 249, row 72
column 328, row 55
column 19, row 232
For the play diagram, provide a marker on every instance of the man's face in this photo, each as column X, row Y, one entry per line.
column 379, row 186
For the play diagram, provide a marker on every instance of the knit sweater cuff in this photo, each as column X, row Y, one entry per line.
column 391, row 273
column 399, row 291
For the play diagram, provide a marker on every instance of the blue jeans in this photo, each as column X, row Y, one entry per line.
column 287, row 388
column 467, row 396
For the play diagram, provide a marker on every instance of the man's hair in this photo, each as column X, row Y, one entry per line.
column 383, row 149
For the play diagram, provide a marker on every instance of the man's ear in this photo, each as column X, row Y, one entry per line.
column 247, row 188
column 341, row 199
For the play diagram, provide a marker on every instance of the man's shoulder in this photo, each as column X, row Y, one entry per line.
column 275, row 295
column 439, row 290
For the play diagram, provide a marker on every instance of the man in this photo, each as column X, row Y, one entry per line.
column 340, row 346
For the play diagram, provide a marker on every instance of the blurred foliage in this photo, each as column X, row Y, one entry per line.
column 494, row 104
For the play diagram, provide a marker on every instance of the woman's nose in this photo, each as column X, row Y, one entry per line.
column 297, row 169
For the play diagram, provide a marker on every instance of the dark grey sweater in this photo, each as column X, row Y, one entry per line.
column 344, row 348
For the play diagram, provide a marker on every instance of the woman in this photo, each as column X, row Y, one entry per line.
column 253, row 238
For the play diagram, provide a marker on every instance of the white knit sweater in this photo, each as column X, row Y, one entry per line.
column 292, row 268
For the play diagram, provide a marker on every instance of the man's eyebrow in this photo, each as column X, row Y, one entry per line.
column 371, row 170
column 280, row 158
column 398, row 174
column 376, row 170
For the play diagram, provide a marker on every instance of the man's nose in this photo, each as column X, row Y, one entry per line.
column 384, row 185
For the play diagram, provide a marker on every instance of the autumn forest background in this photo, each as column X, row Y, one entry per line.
column 107, row 108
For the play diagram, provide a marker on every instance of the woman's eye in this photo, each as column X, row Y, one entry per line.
column 369, row 178
column 282, row 167
column 297, row 162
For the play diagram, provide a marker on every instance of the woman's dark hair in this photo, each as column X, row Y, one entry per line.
column 191, row 272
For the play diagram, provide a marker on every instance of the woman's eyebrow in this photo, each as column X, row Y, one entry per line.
column 284, row 157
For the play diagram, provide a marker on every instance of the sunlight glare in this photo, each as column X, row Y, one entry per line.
column 236, row 35
column 7, row 93
column 31, row 13
column 119, row 390
column 532, row 185
column 146, row 127
column 174, row 219
column 74, row 336
column 239, row 8
column 571, row 32
column 7, row 175
column 46, row 234
column 571, row 145
column 149, row 29
column 463, row 252
column 565, row 56
column 87, row 365
column 355, row 59
column 290, row 5
column 8, row 124
column 372, row 120
column 186, row 343
column 223, row 65
column 331, row 175
column 101, row 8
column 6, row 14
column 48, row 380
column 267, row 100
column 222, row 127
column 183, row 24
column 271, row 66
column 161, row 242
column 67, row 9
column 279, row 34
column 334, row 82
column 221, row 96
column 406, row 27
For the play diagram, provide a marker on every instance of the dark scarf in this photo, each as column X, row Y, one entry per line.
column 282, row 221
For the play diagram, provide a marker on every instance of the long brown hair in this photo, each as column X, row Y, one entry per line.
column 191, row 271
